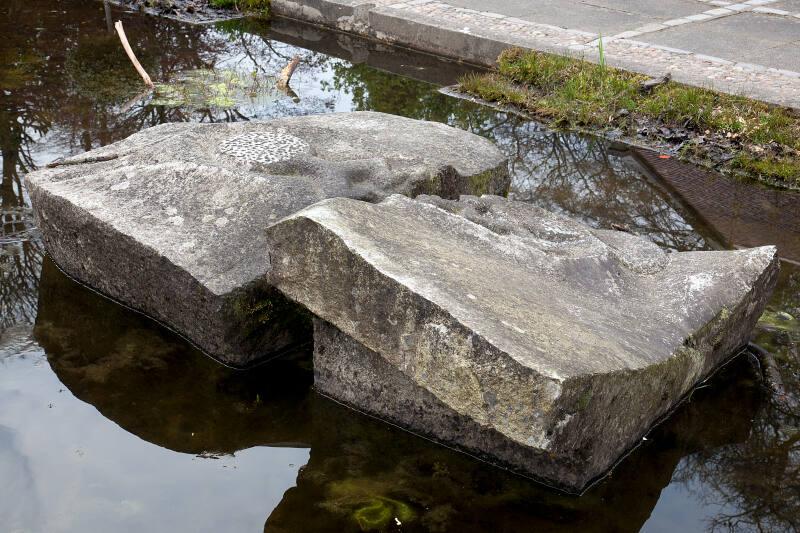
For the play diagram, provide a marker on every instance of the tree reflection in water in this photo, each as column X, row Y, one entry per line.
column 67, row 87
column 756, row 483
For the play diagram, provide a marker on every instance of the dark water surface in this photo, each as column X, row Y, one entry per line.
column 110, row 423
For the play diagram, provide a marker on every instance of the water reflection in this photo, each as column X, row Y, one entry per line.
column 357, row 463
column 20, row 513
column 603, row 185
column 78, row 471
column 156, row 387
column 728, row 459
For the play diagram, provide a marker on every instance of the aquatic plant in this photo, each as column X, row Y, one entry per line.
column 218, row 89
column 379, row 513
column 365, row 501
column 780, row 321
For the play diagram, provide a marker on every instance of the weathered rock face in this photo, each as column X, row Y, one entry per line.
column 517, row 335
column 171, row 220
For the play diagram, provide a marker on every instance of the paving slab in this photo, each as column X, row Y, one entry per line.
column 601, row 16
column 171, row 220
column 752, row 37
column 586, row 17
column 518, row 335
column 793, row 6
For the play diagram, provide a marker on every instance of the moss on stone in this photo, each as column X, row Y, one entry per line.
column 583, row 401
column 489, row 183
column 448, row 184
column 261, row 312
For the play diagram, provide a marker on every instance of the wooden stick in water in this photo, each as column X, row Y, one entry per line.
column 132, row 56
column 286, row 73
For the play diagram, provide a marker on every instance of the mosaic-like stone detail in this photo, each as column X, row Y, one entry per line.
column 266, row 147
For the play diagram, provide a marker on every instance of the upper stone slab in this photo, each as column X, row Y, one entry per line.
column 172, row 218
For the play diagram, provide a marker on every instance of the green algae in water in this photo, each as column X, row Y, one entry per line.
column 780, row 320
column 379, row 513
column 364, row 501
column 218, row 89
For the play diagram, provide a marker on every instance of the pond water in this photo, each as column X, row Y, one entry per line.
column 110, row 423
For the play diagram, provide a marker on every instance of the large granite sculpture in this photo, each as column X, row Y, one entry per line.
column 171, row 220
column 514, row 334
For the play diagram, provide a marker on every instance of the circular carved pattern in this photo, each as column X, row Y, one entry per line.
column 266, row 147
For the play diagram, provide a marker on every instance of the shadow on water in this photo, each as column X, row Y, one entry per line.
column 727, row 459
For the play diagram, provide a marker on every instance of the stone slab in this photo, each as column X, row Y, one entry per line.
column 517, row 335
column 171, row 220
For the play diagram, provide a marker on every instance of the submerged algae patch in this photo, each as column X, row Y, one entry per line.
column 364, row 501
column 781, row 321
column 379, row 512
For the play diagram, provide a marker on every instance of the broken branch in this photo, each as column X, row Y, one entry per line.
column 132, row 56
column 286, row 73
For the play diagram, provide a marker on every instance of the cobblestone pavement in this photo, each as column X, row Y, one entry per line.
column 750, row 48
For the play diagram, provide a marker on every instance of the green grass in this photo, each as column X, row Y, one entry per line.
column 261, row 6
column 576, row 93
column 782, row 169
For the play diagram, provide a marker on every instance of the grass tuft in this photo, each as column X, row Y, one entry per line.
column 494, row 88
column 782, row 169
column 577, row 93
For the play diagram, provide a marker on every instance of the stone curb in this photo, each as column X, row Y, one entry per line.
column 478, row 37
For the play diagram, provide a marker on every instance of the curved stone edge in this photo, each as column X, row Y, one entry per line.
column 226, row 327
column 348, row 372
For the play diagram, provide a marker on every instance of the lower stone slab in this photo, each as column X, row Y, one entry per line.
column 348, row 372
column 517, row 335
